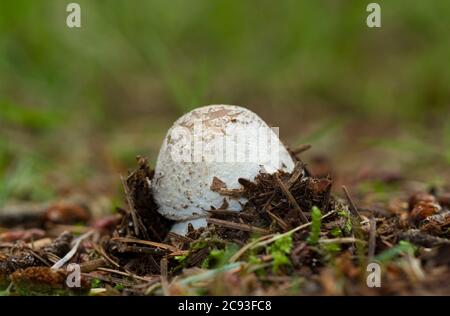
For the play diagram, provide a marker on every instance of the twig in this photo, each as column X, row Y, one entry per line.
column 109, row 278
column 39, row 258
column 298, row 171
column 92, row 265
column 131, row 205
column 291, row 199
column 72, row 251
column 209, row 274
column 7, row 245
column 142, row 250
column 372, row 237
column 344, row 240
column 275, row 237
column 302, row 148
column 27, row 213
column 96, row 291
column 145, row 242
column 198, row 257
column 102, row 252
column 152, row 287
column 353, row 207
column 40, row 243
column 230, row 213
column 238, row 226
column 137, row 277
column 248, row 246
column 178, row 253
column 269, row 201
column 420, row 238
column 164, row 276
column 279, row 221
column 180, row 238
column 52, row 257
column 265, row 240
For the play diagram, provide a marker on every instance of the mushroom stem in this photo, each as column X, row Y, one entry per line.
column 181, row 228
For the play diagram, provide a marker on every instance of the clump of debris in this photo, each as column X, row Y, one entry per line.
column 293, row 236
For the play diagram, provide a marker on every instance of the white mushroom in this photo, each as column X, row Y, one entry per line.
column 219, row 143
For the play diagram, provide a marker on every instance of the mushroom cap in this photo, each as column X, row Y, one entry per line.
column 209, row 149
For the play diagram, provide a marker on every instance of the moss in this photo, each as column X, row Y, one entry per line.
column 44, row 281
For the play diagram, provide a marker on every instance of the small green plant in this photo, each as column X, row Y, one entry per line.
column 255, row 261
column 252, row 259
column 5, row 291
column 332, row 248
column 401, row 248
column 348, row 227
column 181, row 259
column 316, row 222
column 280, row 250
column 295, row 286
column 336, row 232
column 96, row 283
column 219, row 257
column 119, row 287
column 199, row 244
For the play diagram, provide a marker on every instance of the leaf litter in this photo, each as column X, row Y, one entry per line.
column 292, row 237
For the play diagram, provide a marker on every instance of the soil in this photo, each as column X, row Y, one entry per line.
column 294, row 236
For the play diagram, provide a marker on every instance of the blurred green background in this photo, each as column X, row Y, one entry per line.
column 77, row 105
